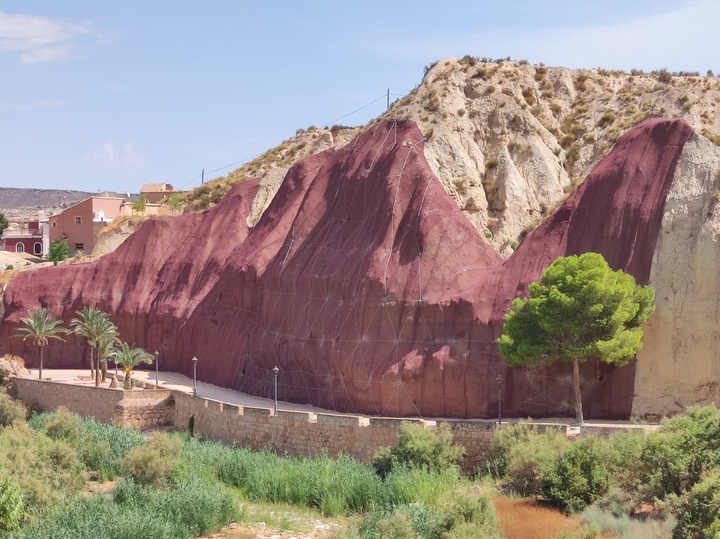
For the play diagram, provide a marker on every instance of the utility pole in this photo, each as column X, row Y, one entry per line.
column 388, row 99
column 202, row 178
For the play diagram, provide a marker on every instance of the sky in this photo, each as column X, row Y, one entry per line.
column 107, row 96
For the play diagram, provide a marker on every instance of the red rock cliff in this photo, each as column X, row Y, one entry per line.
column 363, row 282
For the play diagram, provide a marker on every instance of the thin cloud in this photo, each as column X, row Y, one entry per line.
column 681, row 38
column 125, row 155
column 24, row 106
column 41, row 39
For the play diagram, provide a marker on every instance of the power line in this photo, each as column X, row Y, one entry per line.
column 246, row 159
column 356, row 110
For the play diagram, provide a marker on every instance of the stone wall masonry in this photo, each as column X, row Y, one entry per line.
column 140, row 408
column 287, row 433
column 307, row 434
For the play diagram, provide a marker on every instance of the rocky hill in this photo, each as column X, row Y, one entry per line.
column 377, row 273
column 508, row 140
column 372, row 292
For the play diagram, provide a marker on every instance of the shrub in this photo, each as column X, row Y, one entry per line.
column 100, row 446
column 45, row 471
column 578, row 477
column 491, row 163
column 623, row 458
column 417, row 446
column 153, row 462
column 699, row 514
column 466, row 514
column 12, row 511
column 675, row 457
column 11, row 410
column 519, row 453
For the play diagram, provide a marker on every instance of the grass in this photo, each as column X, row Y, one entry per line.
column 622, row 526
column 99, row 446
column 334, row 486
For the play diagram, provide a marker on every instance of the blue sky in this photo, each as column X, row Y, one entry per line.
column 111, row 95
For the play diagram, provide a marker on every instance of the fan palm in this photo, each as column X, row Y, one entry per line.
column 40, row 326
column 130, row 358
column 95, row 325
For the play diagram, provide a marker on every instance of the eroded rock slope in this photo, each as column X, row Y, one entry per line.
column 365, row 283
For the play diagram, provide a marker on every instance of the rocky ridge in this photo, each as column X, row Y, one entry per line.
column 508, row 140
column 365, row 283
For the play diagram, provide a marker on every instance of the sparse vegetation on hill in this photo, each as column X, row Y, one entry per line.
column 507, row 139
column 271, row 165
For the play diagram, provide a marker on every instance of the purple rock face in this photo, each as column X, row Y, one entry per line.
column 363, row 282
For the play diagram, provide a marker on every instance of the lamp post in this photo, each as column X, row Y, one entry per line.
column 194, row 360
column 499, row 383
column 157, row 357
column 276, row 371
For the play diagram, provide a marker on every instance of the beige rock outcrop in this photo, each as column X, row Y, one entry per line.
column 679, row 364
column 508, row 140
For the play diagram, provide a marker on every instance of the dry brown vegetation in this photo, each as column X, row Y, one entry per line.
column 524, row 518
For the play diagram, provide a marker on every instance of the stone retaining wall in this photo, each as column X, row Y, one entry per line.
column 306, row 433
column 288, row 433
column 140, row 408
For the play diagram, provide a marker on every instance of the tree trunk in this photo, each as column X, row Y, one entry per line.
column 103, row 370
column 92, row 362
column 41, row 361
column 578, row 396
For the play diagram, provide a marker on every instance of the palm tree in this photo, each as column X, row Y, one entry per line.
column 175, row 203
column 129, row 358
column 96, row 327
column 40, row 326
column 105, row 346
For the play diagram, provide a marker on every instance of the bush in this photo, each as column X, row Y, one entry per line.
column 579, row 476
column 45, row 471
column 465, row 514
column 519, row 453
column 11, row 410
column 153, row 462
column 429, row 449
column 100, row 446
column 699, row 514
column 12, row 511
column 624, row 454
column 675, row 457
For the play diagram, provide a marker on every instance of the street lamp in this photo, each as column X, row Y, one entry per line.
column 499, row 383
column 276, row 371
column 194, row 360
column 157, row 357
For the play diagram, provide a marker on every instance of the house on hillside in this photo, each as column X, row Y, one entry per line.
column 156, row 193
column 80, row 224
column 25, row 240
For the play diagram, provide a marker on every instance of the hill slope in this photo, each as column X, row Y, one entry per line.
column 509, row 140
column 367, row 286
